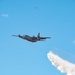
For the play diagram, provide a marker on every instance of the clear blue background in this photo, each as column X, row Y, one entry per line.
column 53, row 18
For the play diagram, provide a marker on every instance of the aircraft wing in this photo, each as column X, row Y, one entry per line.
column 15, row 35
column 45, row 37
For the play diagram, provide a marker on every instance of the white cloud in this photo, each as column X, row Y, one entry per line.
column 4, row 15
column 61, row 64
column 73, row 41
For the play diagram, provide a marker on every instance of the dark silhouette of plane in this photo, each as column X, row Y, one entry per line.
column 33, row 38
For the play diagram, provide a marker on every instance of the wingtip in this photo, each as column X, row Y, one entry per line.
column 49, row 37
column 15, row 35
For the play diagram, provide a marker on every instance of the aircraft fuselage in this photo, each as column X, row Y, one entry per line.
column 33, row 38
column 29, row 38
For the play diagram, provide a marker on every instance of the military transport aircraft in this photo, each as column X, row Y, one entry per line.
column 33, row 38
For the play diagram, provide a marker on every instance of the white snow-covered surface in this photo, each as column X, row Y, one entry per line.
column 61, row 64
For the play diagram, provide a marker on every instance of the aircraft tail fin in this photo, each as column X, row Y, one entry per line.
column 38, row 36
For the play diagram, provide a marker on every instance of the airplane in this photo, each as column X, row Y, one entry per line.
column 33, row 38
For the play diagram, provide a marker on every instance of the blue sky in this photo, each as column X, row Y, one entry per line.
column 53, row 18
